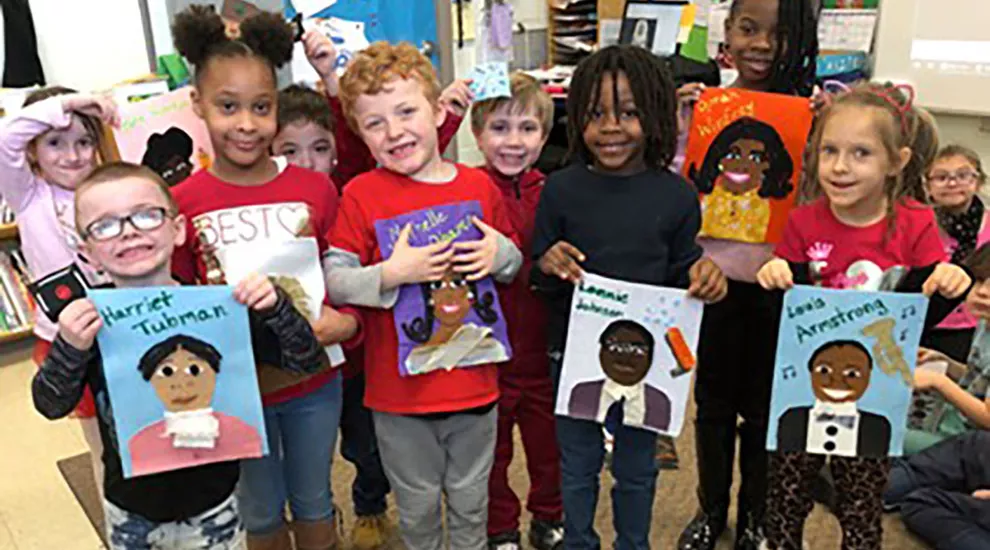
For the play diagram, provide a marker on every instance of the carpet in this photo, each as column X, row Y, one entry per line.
column 675, row 504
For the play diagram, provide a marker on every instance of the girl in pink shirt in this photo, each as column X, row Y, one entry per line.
column 863, row 225
column 46, row 149
column 952, row 182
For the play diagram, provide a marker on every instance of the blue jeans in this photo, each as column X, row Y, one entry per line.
column 634, row 469
column 216, row 529
column 302, row 433
column 359, row 447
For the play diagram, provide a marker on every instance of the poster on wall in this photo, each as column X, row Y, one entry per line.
column 744, row 156
column 844, row 371
column 164, row 134
column 631, row 346
column 181, row 377
column 453, row 322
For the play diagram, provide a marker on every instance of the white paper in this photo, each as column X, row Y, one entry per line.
column 847, row 29
column 717, row 16
column 295, row 262
column 608, row 31
column 348, row 38
column 704, row 8
column 597, row 304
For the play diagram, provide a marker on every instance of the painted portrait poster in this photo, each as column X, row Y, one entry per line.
column 844, row 371
column 630, row 347
column 452, row 322
column 744, row 156
column 181, row 377
column 164, row 134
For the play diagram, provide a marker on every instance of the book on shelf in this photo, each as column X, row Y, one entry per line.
column 16, row 305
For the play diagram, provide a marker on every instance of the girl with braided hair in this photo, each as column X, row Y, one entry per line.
column 774, row 46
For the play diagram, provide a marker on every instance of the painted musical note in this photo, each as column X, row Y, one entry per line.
column 789, row 372
column 909, row 311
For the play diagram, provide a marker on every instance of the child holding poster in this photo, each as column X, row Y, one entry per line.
column 774, row 45
column 46, row 149
column 618, row 212
column 418, row 243
column 248, row 208
column 848, row 239
column 130, row 225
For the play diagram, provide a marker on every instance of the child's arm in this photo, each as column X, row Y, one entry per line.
column 970, row 406
column 58, row 386
column 269, row 304
column 338, row 326
column 456, row 99
column 350, row 277
column 684, row 247
column 497, row 253
column 20, row 129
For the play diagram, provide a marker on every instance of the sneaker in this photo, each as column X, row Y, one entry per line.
column 749, row 539
column 701, row 534
column 504, row 541
column 370, row 532
column 546, row 535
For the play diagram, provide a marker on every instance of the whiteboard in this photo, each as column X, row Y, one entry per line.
column 942, row 48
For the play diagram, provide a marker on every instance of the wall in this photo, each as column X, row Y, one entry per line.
column 964, row 130
column 90, row 44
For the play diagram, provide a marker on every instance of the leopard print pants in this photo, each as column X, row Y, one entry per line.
column 859, row 486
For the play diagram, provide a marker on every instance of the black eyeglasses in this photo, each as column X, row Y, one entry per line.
column 146, row 219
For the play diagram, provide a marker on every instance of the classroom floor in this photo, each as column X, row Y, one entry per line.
column 39, row 512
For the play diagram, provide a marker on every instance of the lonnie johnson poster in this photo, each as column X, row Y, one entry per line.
column 632, row 345
column 744, row 156
column 181, row 376
column 844, row 371
column 449, row 323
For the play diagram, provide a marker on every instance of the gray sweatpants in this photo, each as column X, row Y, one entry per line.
column 426, row 459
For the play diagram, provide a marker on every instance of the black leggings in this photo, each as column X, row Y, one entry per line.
column 735, row 371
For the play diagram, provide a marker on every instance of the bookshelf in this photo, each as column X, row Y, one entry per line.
column 573, row 26
column 10, row 234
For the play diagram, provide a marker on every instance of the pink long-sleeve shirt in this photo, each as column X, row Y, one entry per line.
column 44, row 212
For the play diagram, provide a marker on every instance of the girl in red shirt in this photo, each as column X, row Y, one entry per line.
column 863, row 225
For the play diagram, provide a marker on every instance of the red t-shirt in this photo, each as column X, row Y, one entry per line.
column 382, row 195
column 842, row 256
column 297, row 204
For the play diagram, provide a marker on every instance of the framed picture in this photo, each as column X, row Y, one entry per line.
column 652, row 25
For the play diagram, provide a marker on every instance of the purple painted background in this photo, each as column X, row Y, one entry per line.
column 446, row 221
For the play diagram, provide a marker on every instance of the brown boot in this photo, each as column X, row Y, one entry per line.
column 315, row 535
column 279, row 540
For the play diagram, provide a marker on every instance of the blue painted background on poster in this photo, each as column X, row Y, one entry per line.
column 812, row 317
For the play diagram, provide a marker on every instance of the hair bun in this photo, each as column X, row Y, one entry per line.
column 270, row 36
column 197, row 29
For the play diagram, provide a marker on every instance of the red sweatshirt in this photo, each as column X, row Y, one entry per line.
column 382, row 195
column 353, row 159
column 298, row 203
column 525, row 313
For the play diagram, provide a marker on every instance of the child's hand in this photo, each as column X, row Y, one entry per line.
column 100, row 107
column 708, row 283
column 687, row 96
column 78, row 324
column 457, row 97
column 948, row 280
column 334, row 327
column 414, row 264
column 322, row 55
column 775, row 275
column 926, row 355
column 982, row 494
column 256, row 292
column 978, row 300
column 927, row 379
column 475, row 259
column 562, row 260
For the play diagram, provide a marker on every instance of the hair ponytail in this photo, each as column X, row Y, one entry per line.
column 200, row 34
